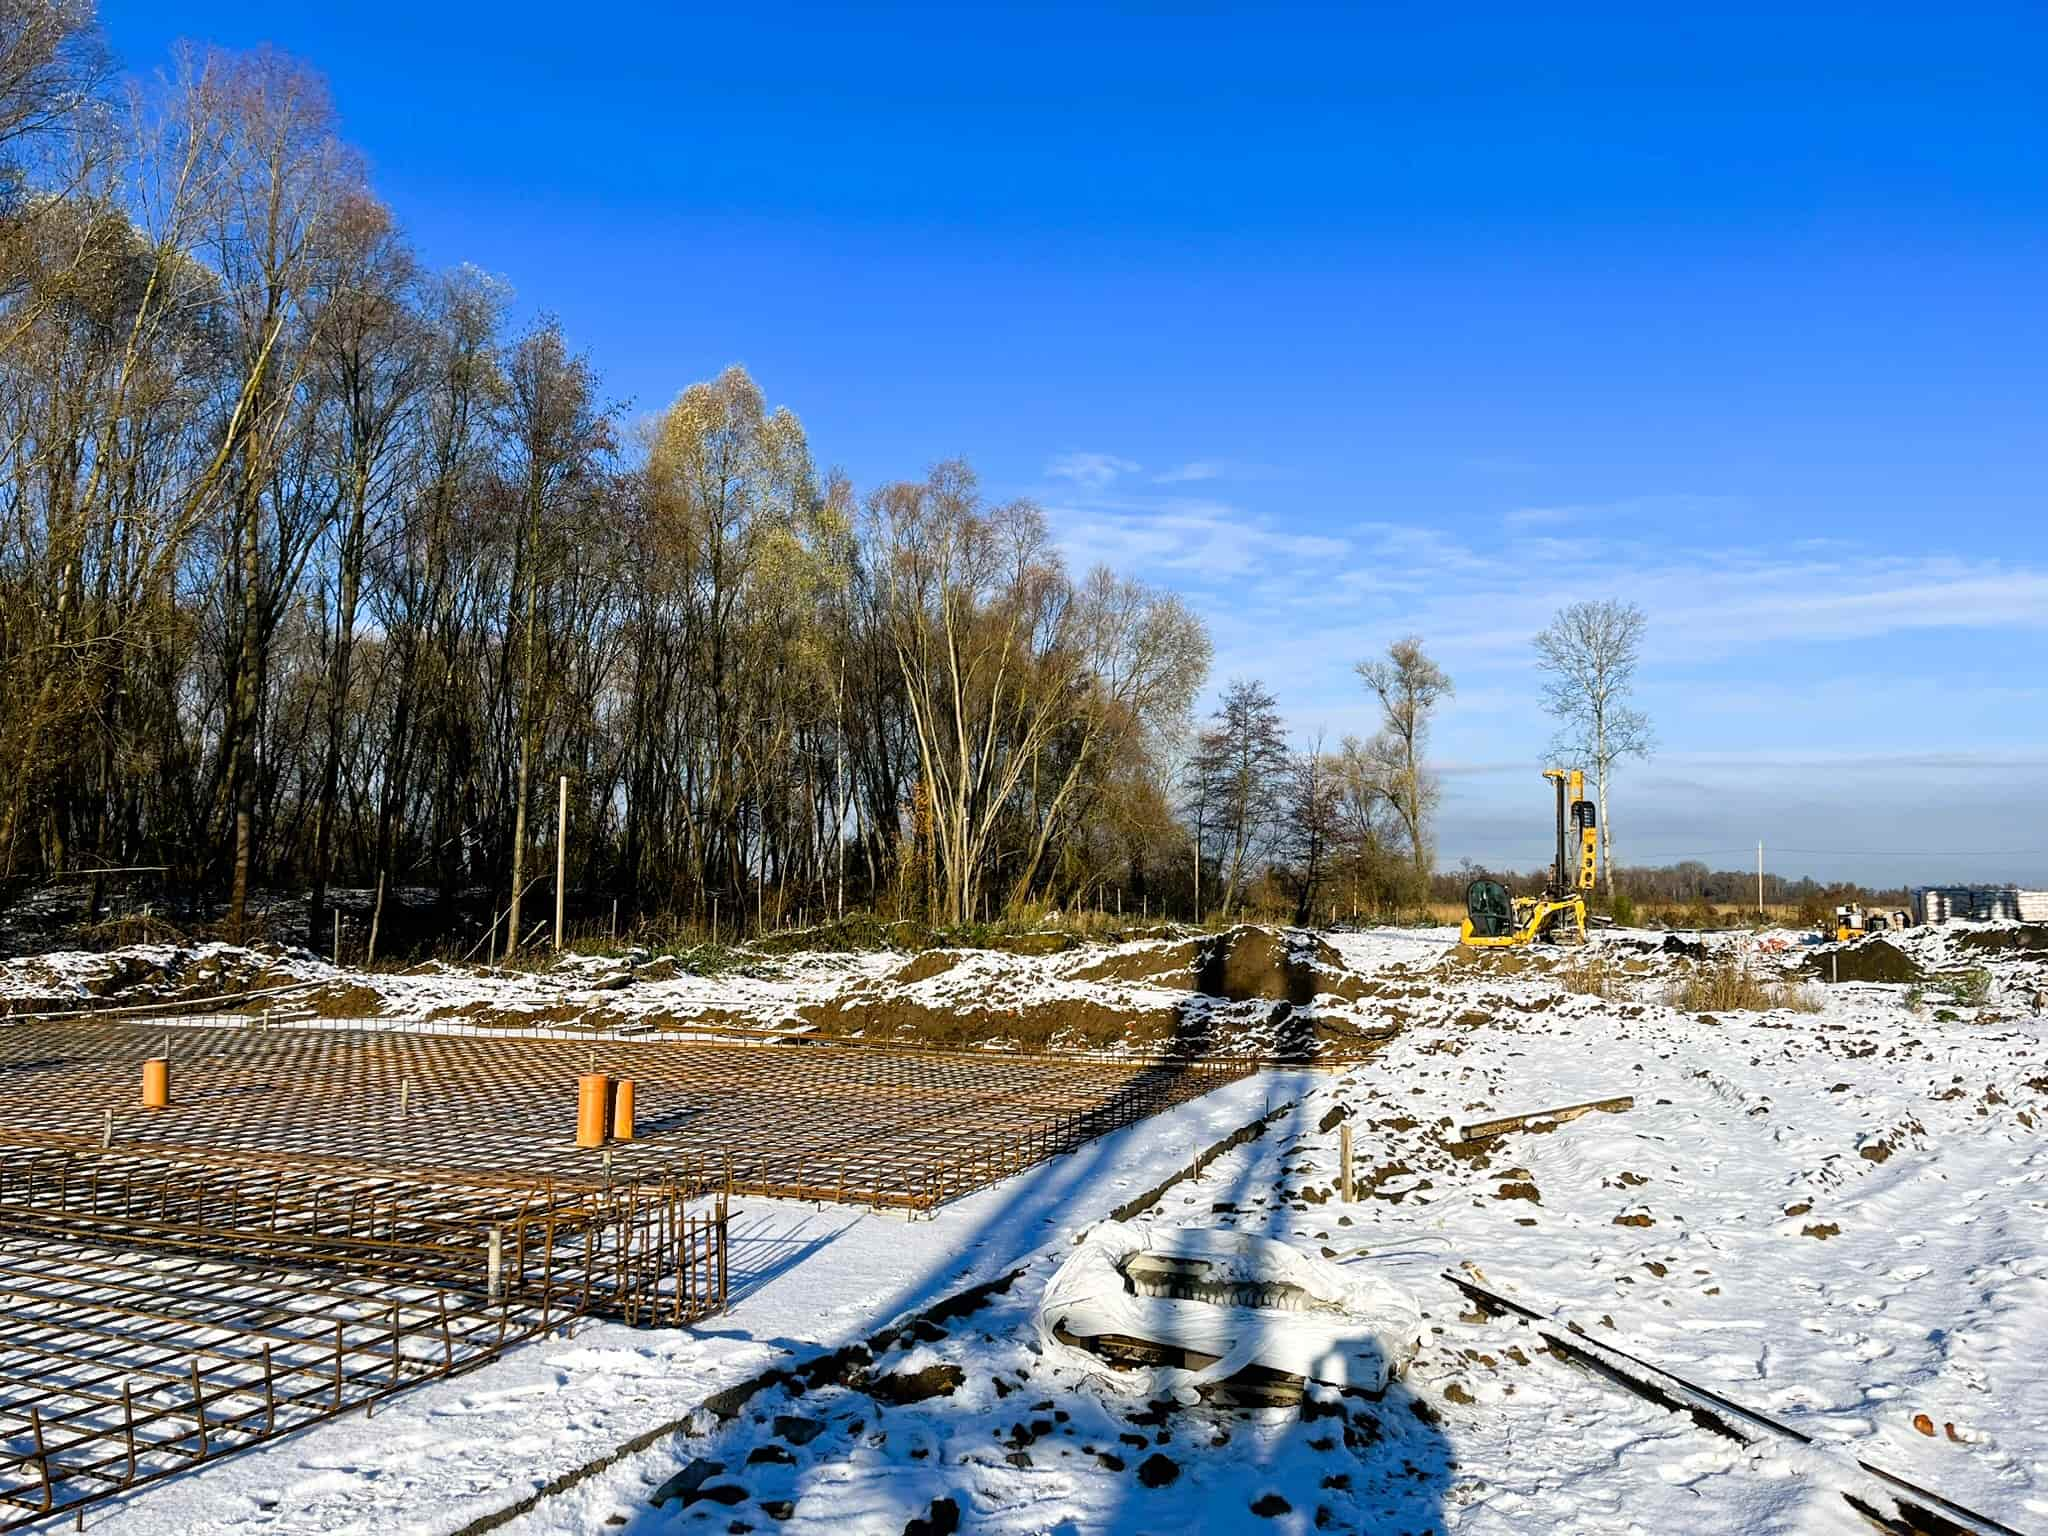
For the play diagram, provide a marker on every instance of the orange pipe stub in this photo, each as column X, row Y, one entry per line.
column 593, row 1093
column 622, row 1109
column 156, row 1083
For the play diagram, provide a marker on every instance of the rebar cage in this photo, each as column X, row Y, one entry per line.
column 159, row 1311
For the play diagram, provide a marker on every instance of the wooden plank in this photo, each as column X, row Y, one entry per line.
column 1481, row 1129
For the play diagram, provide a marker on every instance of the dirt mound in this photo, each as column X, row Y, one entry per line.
column 1047, row 941
column 340, row 1001
column 2030, row 936
column 1057, row 1023
column 1867, row 960
column 933, row 962
column 1256, row 963
column 1173, row 965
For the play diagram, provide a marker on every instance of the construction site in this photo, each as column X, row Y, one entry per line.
column 603, row 1244
column 215, row 1231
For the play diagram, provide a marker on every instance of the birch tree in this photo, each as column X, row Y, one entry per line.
column 1589, row 656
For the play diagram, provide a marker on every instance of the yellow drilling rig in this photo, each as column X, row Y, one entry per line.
column 1496, row 920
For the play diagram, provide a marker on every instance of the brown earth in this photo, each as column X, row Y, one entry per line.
column 346, row 1002
column 1074, row 1023
column 1174, row 965
column 2026, row 936
column 1869, row 960
column 933, row 962
column 1249, row 963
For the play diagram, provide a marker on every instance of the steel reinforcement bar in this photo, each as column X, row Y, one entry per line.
column 872, row 1127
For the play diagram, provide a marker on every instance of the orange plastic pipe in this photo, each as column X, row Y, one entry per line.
column 622, row 1109
column 156, row 1083
column 593, row 1090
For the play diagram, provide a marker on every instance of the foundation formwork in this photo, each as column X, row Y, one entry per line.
column 159, row 1311
column 829, row 1122
column 310, row 1219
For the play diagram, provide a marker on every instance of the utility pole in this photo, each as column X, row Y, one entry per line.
column 561, row 858
column 1759, row 877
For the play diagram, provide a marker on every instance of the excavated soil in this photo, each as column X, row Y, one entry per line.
column 1068, row 1023
column 2028, row 936
column 1871, row 960
column 1250, row 964
column 1172, row 966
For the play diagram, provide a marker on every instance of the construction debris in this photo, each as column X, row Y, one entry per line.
column 1195, row 1308
column 1544, row 1119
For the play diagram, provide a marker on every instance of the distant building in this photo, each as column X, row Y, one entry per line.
column 1979, row 904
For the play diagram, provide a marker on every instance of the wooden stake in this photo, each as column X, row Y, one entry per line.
column 337, row 938
column 376, row 917
column 1344, row 1159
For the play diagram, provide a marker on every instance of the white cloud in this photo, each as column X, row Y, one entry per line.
column 1216, row 469
column 1094, row 470
column 1189, row 542
column 1663, row 509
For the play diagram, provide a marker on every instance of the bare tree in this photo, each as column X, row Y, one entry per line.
column 307, row 577
column 374, row 359
column 1242, row 759
column 282, row 175
column 555, row 433
column 1409, row 687
column 1589, row 654
column 1313, row 825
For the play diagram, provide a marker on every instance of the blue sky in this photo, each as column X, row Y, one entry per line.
column 1353, row 322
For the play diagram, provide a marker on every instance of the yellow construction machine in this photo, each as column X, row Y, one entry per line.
column 1852, row 923
column 1496, row 920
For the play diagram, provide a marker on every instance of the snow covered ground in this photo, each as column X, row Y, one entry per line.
column 1837, row 1217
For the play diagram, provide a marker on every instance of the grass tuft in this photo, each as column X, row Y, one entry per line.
column 1728, row 985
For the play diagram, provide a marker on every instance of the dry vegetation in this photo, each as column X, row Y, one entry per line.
column 1595, row 975
column 1730, row 984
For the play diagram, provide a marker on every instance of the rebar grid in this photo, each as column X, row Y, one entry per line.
column 119, row 1366
column 638, row 1250
column 157, row 1312
column 871, row 1126
column 325, row 1216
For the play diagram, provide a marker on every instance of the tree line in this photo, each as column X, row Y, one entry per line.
column 313, row 570
column 316, row 570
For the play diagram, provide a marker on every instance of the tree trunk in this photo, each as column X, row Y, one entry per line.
column 337, row 698
column 525, row 756
column 248, row 704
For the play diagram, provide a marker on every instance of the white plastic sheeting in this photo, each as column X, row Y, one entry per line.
column 1275, row 1306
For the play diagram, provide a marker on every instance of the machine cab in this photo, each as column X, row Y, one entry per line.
column 1489, row 909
